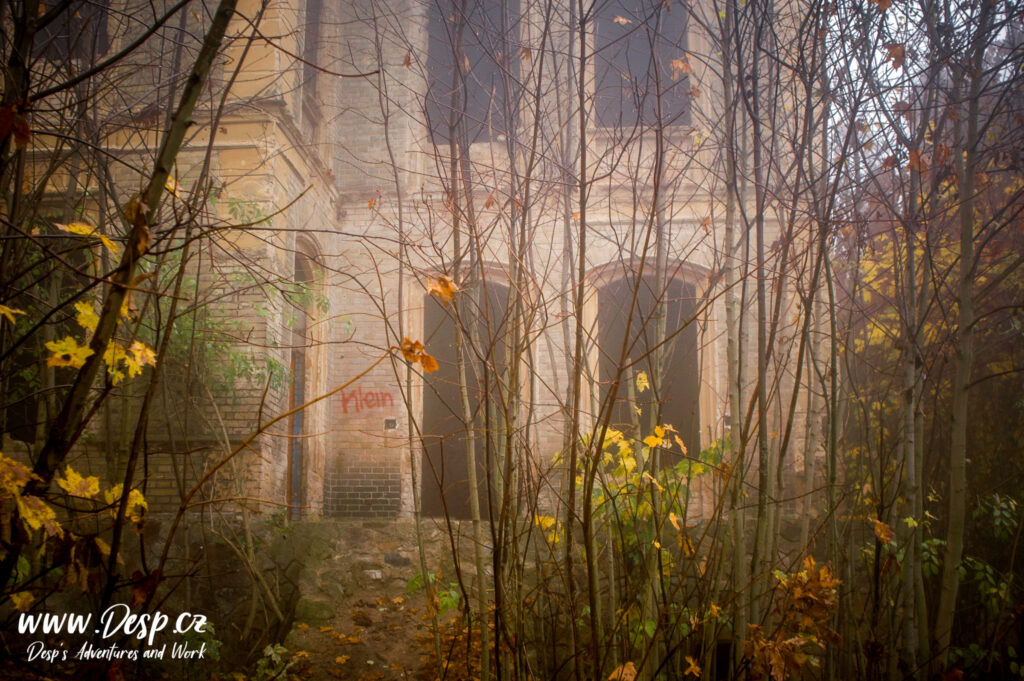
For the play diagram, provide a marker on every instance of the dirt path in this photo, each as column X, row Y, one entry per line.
column 358, row 619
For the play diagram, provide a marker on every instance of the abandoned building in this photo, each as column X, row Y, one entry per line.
column 372, row 148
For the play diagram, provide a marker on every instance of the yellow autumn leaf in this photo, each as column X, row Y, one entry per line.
column 138, row 356
column 112, row 357
column 103, row 546
column 86, row 317
column 36, row 514
column 173, row 187
column 85, row 229
column 67, row 353
column 627, row 464
column 674, row 519
column 22, row 600
column 9, row 312
column 142, row 353
column 74, row 484
column 714, row 611
column 80, row 228
column 687, row 546
column 14, row 475
column 341, row 659
column 642, row 383
column 137, row 504
column 692, row 667
column 652, row 441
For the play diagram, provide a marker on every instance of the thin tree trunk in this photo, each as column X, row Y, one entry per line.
column 966, row 165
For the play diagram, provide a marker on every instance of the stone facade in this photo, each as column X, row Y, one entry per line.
column 357, row 191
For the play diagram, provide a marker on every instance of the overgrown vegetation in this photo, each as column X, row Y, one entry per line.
column 705, row 320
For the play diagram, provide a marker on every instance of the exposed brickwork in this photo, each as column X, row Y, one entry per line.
column 367, row 488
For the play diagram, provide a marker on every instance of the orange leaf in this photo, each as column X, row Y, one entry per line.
column 429, row 363
column 882, row 531
column 917, row 162
column 883, row 4
column 411, row 350
column 624, row 672
column 443, row 287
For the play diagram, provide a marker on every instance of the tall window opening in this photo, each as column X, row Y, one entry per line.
column 472, row 61
column 446, row 430
column 311, row 45
column 79, row 32
column 299, row 301
column 640, row 63
column 671, row 365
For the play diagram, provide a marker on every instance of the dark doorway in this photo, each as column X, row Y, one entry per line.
column 444, row 466
column 673, row 396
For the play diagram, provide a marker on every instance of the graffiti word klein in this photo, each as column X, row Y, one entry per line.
column 357, row 399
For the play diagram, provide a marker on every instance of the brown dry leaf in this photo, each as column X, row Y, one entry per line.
column 883, row 4
column 525, row 54
column 143, row 237
column 371, row 203
column 680, row 66
column 135, row 213
column 917, row 162
column 407, row 62
column 896, row 53
column 622, row 21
